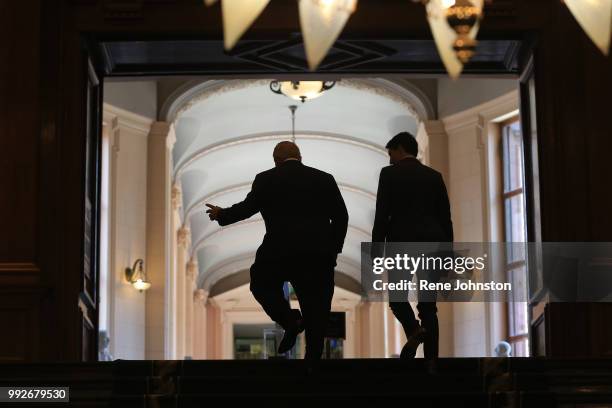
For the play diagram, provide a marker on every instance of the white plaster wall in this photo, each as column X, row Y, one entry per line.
column 475, row 324
column 128, row 186
column 456, row 96
column 466, row 182
column 139, row 97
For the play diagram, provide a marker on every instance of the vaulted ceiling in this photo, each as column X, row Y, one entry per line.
column 225, row 134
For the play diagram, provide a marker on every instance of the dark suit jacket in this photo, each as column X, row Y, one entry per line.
column 302, row 208
column 412, row 205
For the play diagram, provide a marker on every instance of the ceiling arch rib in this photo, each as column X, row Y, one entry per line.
column 201, row 241
column 360, row 208
column 241, row 262
column 238, row 164
column 242, row 278
column 276, row 136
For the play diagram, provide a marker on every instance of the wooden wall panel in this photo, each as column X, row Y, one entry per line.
column 21, row 293
column 19, row 123
column 20, row 319
column 574, row 84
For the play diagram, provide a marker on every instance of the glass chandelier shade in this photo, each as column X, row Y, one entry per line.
column 322, row 22
column 595, row 18
column 238, row 15
column 301, row 90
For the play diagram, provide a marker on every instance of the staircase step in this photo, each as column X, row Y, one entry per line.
column 459, row 400
column 331, row 384
column 469, row 382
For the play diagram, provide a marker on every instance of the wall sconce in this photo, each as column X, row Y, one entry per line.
column 136, row 276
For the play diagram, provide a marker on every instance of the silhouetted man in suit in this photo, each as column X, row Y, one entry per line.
column 306, row 223
column 412, row 206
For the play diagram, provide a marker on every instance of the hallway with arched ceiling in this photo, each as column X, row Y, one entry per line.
column 225, row 134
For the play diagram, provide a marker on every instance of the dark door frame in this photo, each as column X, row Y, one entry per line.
column 518, row 63
column 563, row 57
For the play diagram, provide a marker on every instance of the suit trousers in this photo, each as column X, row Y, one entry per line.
column 312, row 278
column 427, row 312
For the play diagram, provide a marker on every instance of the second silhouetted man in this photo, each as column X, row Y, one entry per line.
column 412, row 206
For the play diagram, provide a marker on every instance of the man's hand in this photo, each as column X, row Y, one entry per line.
column 213, row 212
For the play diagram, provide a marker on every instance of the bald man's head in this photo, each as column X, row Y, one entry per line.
column 284, row 151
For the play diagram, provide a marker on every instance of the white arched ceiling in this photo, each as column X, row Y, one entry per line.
column 225, row 134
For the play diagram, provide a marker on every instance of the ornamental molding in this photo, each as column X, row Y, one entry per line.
column 183, row 237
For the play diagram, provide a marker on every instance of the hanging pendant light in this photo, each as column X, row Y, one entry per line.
column 301, row 90
column 445, row 36
column 238, row 15
column 322, row 22
column 595, row 18
column 462, row 17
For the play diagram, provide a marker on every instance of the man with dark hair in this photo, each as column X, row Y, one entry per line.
column 405, row 141
column 306, row 223
column 412, row 206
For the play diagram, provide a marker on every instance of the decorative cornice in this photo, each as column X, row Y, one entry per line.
column 177, row 196
column 434, row 127
column 183, row 237
column 470, row 117
column 210, row 89
column 191, row 269
column 200, row 296
column 171, row 138
column 393, row 91
column 160, row 129
column 196, row 92
column 126, row 119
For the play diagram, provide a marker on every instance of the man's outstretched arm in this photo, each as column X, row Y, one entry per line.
column 239, row 211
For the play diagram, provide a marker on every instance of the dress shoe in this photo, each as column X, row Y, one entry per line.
column 410, row 348
column 291, row 333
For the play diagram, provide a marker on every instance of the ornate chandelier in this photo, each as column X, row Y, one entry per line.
column 454, row 25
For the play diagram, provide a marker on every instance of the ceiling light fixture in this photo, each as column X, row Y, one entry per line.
column 301, row 90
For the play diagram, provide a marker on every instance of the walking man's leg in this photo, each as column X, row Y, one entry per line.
column 428, row 314
column 267, row 288
column 405, row 315
column 314, row 287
